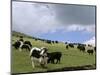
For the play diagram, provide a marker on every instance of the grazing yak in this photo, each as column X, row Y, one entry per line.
column 16, row 44
column 53, row 42
column 90, row 51
column 71, row 45
column 66, row 42
column 22, row 45
column 49, row 41
column 89, row 45
column 38, row 55
column 28, row 42
column 54, row 56
column 81, row 48
column 21, row 40
column 56, row 42
column 66, row 46
column 25, row 46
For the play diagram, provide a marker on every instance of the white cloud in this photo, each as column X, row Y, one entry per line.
column 32, row 19
column 90, row 41
column 35, row 19
column 86, row 28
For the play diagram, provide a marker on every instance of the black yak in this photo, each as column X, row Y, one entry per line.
column 54, row 56
column 16, row 44
column 26, row 46
column 56, row 42
column 66, row 46
column 81, row 48
column 49, row 41
column 90, row 51
column 28, row 42
column 71, row 45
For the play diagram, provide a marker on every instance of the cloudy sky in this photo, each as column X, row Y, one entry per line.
column 73, row 23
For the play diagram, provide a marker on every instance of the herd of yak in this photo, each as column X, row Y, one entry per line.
column 82, row 48
column 42, row 54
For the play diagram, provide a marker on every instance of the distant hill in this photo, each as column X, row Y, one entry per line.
column 17, row 34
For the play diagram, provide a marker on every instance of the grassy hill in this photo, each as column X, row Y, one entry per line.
column 72, row 58
column 18, row 34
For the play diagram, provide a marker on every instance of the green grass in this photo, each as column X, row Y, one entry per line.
column 71, row 58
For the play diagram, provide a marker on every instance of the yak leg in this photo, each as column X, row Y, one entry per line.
column 52, row 61
column 58, row 61
column 20, row 49
column 32, row 63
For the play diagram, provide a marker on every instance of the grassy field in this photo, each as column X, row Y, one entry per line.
column 71, row 58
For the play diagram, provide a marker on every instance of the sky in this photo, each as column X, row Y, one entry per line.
column 62, row 22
